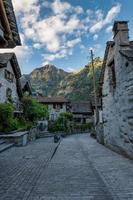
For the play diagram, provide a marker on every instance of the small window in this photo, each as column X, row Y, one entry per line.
column 9, row 76
column 54, row 106
column 52, row 117
column 78, row 120
column 61, row 106
column 112, row 77
column 9, row 94
column 58, row 107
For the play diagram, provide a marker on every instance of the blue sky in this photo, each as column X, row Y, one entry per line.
column 61, row 32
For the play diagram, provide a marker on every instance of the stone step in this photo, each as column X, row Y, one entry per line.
column 45, row 135
column 5, row 146
column 2, row 141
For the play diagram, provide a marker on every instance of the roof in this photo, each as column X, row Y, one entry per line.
column 25, row 84
column 53, row 99
column 10, row 57
column 116, row 24
column 127, row 53
column 109, row 43
column 9, row 23
column 81, row 107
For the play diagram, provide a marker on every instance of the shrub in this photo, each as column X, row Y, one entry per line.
column 7, row 121
column 63, row 123
column 6, row 117
column 87, row 126
column 33, row 110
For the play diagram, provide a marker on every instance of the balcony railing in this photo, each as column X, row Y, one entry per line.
column 18, row 107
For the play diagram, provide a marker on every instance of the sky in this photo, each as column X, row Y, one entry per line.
column 62, row 32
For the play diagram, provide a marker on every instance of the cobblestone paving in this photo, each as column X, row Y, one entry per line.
column 80, row 169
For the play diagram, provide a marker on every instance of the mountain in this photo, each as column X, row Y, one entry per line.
column 51, row 81
column 46, row 80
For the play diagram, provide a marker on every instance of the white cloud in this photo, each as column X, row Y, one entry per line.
column 62, row 54
column 95, row 37
column 78, row 10
column 72, row 43
column 49, row 33
column 59, row 7
column 70, row 69
column 54, row 33
column 109, row 29
column 112, row 13
column 37, row 45
column 24, row 6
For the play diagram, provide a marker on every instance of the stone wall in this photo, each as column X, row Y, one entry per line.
column 4, row 84
column 55, row 112
column 118, row 104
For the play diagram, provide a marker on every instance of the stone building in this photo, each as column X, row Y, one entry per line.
column 26, row 86
column 116, row 89
column 9, row 36
column 56, row 105
column 10, row 87
column 82, row 111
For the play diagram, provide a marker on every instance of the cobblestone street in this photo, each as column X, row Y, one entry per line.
column 77, row 169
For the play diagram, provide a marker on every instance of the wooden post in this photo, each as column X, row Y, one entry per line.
column 94, row 86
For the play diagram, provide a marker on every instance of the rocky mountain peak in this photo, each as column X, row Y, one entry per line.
column 52, row 81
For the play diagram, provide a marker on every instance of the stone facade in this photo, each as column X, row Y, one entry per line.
column 56, row 105
column 117, row 92
column 9, row 36
column 5, row 84
column 9, row 79
column 82, row 112
column 54, row 111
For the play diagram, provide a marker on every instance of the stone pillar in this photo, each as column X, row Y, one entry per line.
column 121, row 34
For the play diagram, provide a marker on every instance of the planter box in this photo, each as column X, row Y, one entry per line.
column 18, row 138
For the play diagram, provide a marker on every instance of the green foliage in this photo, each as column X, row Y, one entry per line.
column 63, row 123
column 54, row 126
column 87, row 126
column 7, row 121
column 33, row 110
column 74, row 86
column 6, row 116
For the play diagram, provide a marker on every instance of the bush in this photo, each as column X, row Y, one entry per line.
column 6, row 117
column 62, row 124
column 87, row 126
column 55, row 126
column 7, row 121
column 33, row 110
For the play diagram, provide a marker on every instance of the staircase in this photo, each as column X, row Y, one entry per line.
column 4, row 145
column 44, row 134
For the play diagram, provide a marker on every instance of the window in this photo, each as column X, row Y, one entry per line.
column 9, row 94
column 52, row 117
column 54, row 106
column 112, row 77
column 9, row 76
column 84, row 120
column 78, row 120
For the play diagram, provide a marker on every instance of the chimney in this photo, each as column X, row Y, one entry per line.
column 120, row 30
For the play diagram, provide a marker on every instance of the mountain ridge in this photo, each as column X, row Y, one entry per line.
column 49, row 80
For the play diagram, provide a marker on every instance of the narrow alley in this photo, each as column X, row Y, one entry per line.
column 78, row 168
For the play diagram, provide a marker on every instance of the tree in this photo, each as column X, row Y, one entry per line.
column 6, row 116
column 33, row 110
column 64, row 121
